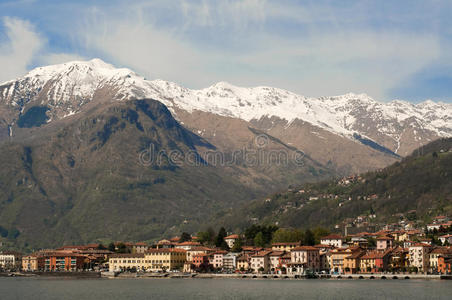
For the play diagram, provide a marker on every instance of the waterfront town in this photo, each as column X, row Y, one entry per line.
column 397, row 250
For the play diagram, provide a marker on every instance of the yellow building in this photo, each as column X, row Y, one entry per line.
column 352, row 262
column 337, row 258
column 154, row 260
column 33, row 263
column 285, row 246
column 243, row 262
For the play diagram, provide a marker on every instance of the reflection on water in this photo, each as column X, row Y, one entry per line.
column 112, row 289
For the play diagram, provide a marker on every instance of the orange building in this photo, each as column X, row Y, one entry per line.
column 63, row 261
column 445, row 265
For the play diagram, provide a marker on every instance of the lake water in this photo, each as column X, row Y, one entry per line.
column 112, row 289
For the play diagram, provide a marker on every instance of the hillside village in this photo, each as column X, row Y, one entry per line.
column 396, row 250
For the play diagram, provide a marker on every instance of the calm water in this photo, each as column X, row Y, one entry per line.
column 112, row 289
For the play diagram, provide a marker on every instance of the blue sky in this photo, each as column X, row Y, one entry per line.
column 387, row 49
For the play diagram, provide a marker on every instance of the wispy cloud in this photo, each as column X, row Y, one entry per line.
column 19, row 47
column 311, row 47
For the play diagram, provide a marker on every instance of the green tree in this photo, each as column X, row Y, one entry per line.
column 122, row 248
column 101, row 247
column 184, row 237
column 259, row 240
column 287, row 235
column 309, row 238
column 237, row 246
column 219, row 241
column 111, row 247
column 207, row 237
column 320, row 232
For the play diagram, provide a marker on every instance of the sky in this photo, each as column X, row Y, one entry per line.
column 387, row 49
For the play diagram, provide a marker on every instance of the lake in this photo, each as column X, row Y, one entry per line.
column 112, row 289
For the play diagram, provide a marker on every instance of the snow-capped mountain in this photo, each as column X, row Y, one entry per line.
column 65, row 89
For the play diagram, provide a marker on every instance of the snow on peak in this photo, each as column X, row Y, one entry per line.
column 68, row 86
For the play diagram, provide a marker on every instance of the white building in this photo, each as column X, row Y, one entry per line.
column 332, row 240
column 419, row 255
column 9, row 259
column 260, row 262
column 230, row 261
column 231, row 239
column 447, row 237
column 304, row 257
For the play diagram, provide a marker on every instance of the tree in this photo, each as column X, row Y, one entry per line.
column 207, row 237
column 259, row 240
column 111, row 247
column 237, row 246
column 219, row 241
column 122, row 248
column 309, row 238
column 287, row 235
column 184, row 237
column 101, row 247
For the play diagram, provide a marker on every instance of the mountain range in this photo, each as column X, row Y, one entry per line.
column 72, row 135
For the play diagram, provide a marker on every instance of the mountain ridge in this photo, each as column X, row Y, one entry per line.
column 66, row 88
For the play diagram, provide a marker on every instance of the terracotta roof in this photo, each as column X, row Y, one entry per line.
column 261, row 254
column 287, row 244
column 356, row 255
column 420, row 245
column 232, row 236
column 277, row 253
column 201, row 248
column 332, row 237
column 305, row 248
column 441, row 250
column 127, row 255
column 385, row 237
column 166, row 250
column 188, row 243
column 140, row 244
column 320, row 246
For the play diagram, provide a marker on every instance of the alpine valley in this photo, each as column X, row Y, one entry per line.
column 72, row 139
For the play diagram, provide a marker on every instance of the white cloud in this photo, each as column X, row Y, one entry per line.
column 59, row 58
column 18, row 51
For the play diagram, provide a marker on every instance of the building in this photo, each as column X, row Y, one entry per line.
column 33, row 262
column 445, row 264
column 187, row 245
column 446, row 238
column 197, row 250
column 216, row 259
column 230, row 261
column 375, row 261
column 200, row 261
column 336, row 258
column 10, row 259
column 399, row 258
column 139, row 247
column 163, row 259
column 332, row 240
column 260, row 262
column 303, row 258
column 285, row 246
column 419, row 256
column 243, row 262
column 275, row 261
column 352, row 262
column 63, row 261
column 435, row 253
column 231, row 239
column 385, row 242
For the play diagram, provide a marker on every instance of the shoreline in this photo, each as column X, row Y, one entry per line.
column 250, row 276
